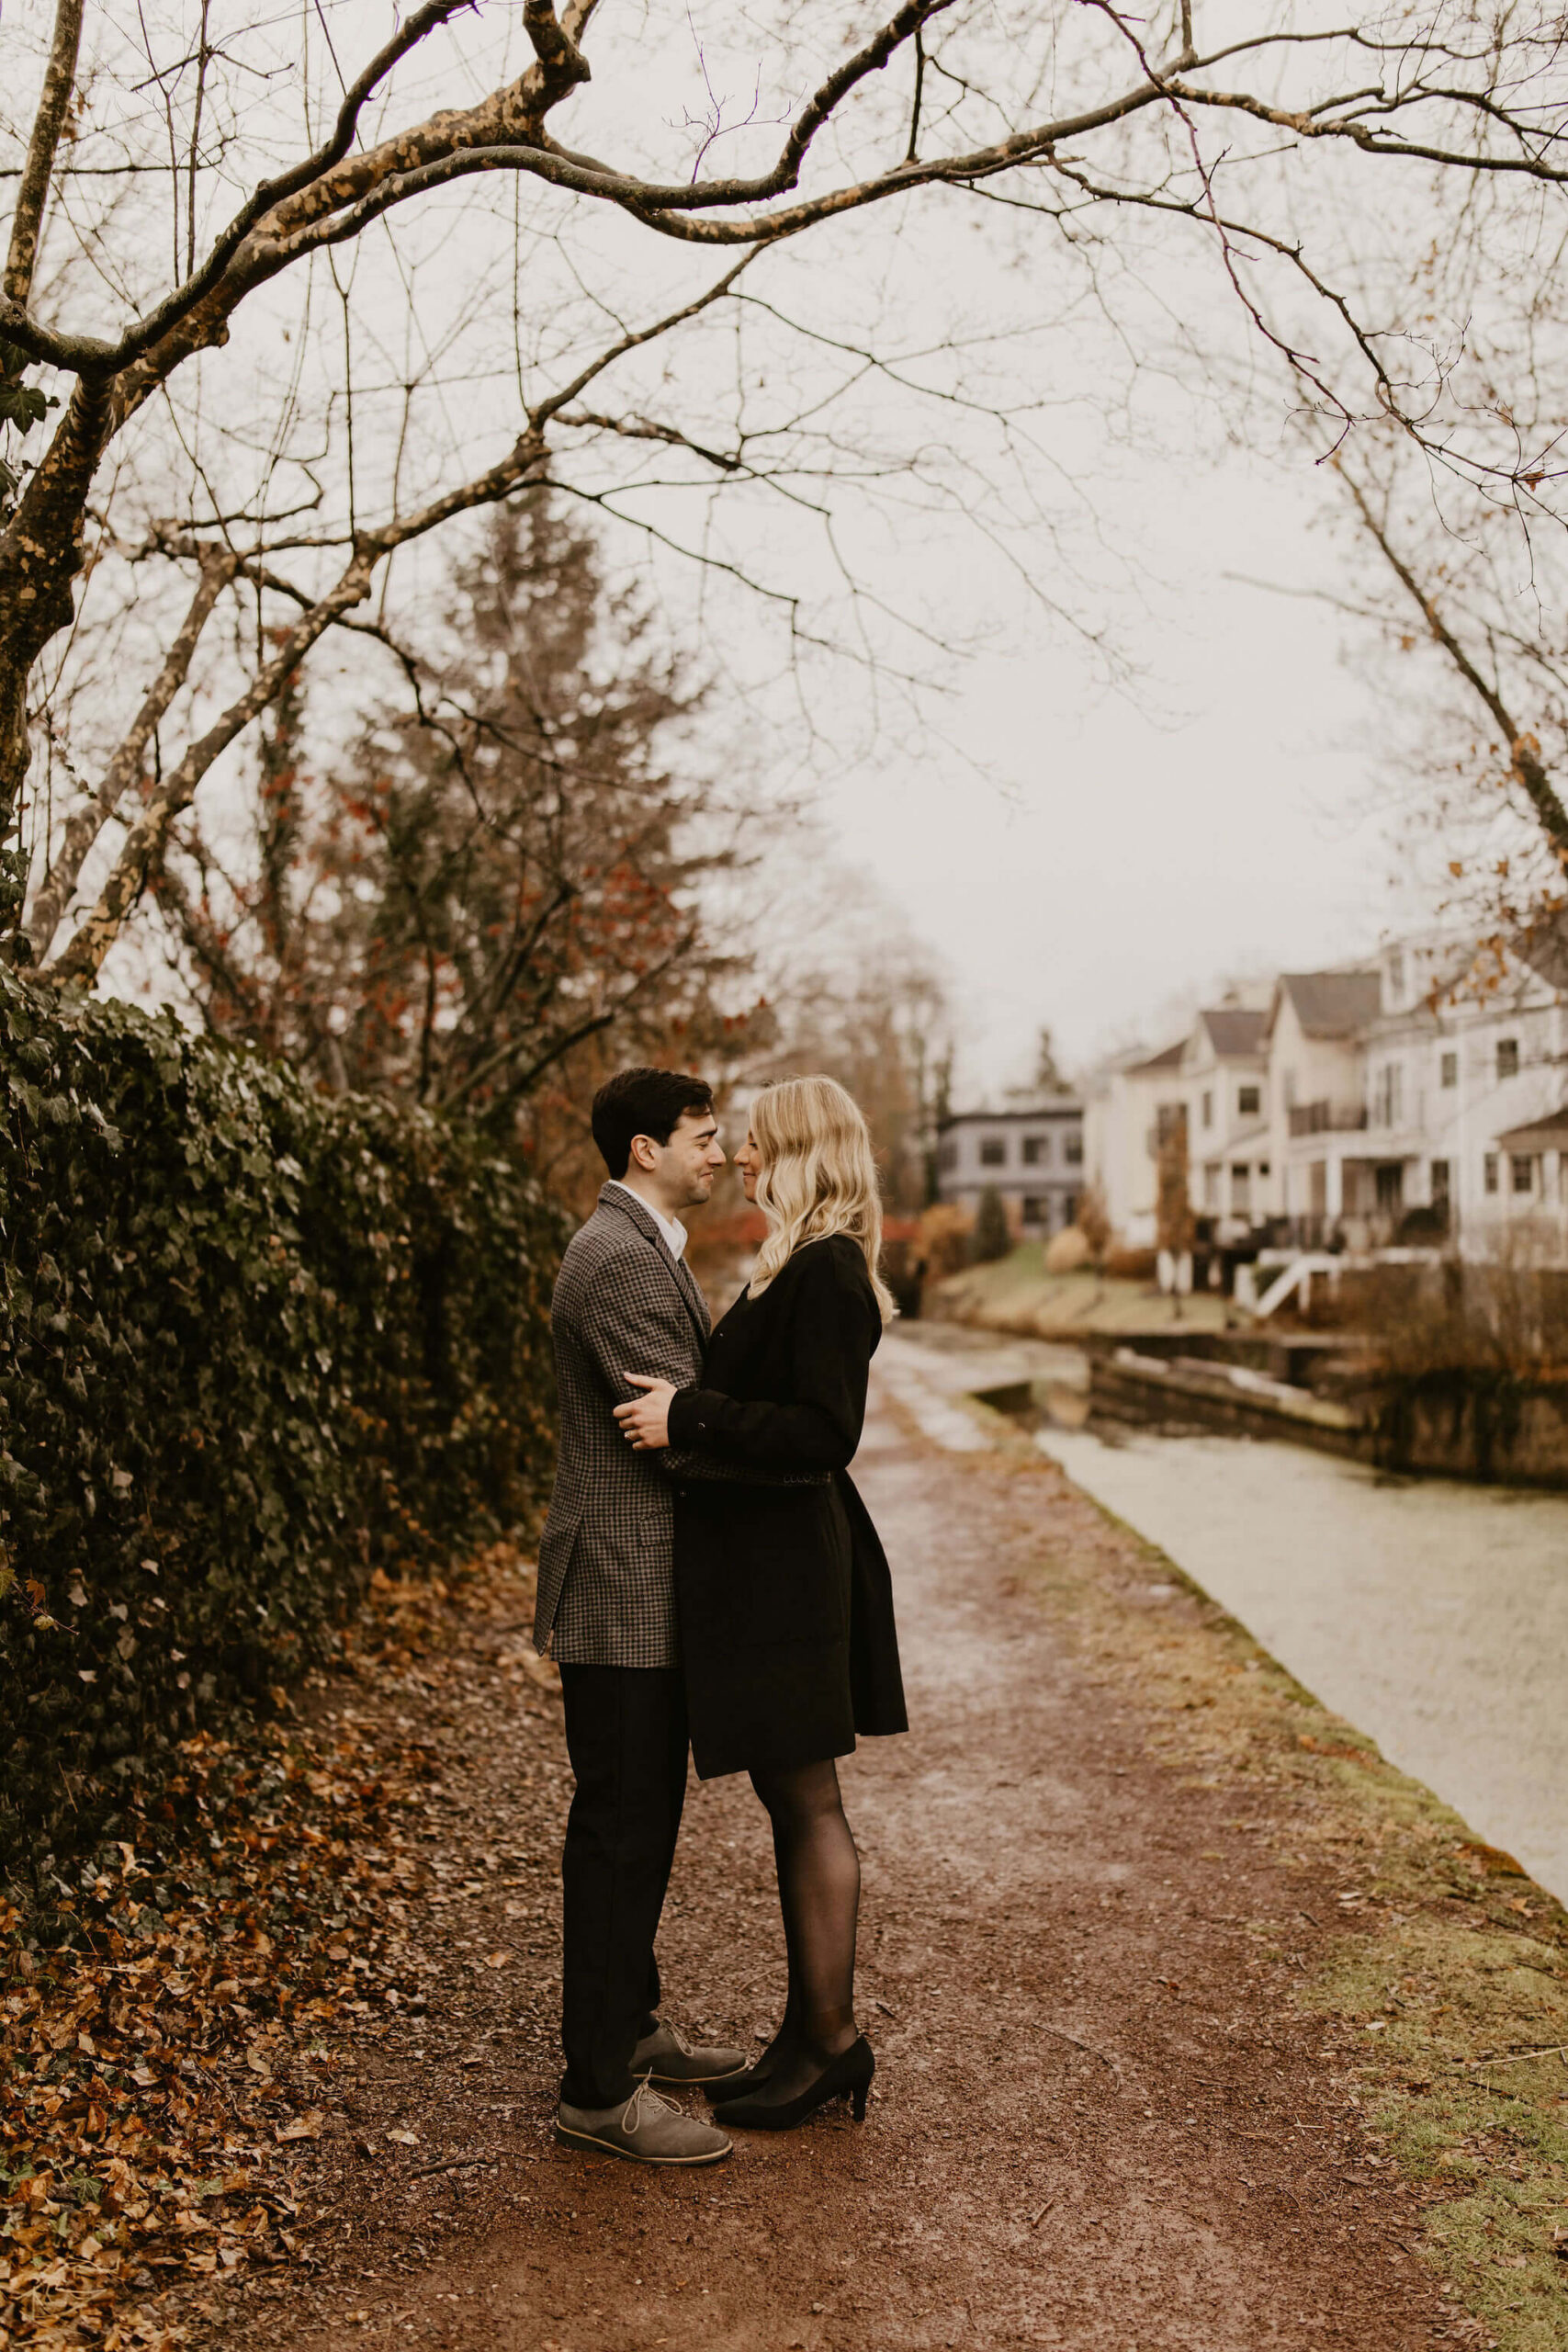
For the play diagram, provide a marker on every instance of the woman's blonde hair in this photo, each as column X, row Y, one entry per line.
column 819, row 1177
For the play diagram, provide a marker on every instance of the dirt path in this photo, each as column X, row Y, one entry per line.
column 1099, row 2123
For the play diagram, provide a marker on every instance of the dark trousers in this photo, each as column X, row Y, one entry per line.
column 625, row 1733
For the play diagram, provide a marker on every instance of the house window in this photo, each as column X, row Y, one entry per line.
column 1069, row 1208
column 1397, row 974
column 1208, row 1113
column 1449, row 1070
column 1439, row 1183
column 1489, row 1171
column 1037, row 1151
column 1508, row 1058
column 947, row 1154
column 1290, row 1090
column 1241, row 1189
column 1072, row 1151
column 1523, row 1172
column 1036, row 1209
column 1388, row 1097
column 1249, row 1101
column 993, row 1151
column 1263, row 1171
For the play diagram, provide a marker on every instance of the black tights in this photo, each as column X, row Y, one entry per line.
column 819, row 1896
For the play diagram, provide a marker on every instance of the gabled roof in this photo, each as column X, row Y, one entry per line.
column 1333, row 1004
column 1550, row 1134
column 1233, row 1029
column 1169, row 1059
column 1224, row 1147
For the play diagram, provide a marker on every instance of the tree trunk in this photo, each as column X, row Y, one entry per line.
column 40, row 554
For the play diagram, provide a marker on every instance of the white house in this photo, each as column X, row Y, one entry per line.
column 1212, row 1086
column 1316, row 1096
column 1128, row 1107
column 1419, row 1096
column 1032, row 1156
column 1230, row 1152
column 1489, row 1082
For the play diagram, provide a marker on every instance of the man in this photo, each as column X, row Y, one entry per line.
column 624, row 1302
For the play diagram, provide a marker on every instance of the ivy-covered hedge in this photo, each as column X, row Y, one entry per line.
column 253, row 1342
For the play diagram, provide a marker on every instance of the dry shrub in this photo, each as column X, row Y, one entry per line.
column 945, row 1232
column 1094, row 1221
column 1504, row 1315
column 1067, row 1251
column 1132, row 1265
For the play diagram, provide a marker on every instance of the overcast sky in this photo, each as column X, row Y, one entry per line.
column 1228, row 814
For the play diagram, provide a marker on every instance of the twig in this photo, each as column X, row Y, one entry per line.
column 1517, row 2057
column 1087, row 2047
column 1039, row 2217
column 456, row 2164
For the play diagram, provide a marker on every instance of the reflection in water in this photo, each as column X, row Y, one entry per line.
column 1432, row 1614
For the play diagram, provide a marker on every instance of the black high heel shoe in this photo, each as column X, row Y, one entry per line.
column 731, row 2087
column 846, row 2076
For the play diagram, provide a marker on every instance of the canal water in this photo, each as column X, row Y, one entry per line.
column 1432, row 1614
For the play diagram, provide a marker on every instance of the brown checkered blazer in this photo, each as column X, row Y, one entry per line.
column 623, row 1303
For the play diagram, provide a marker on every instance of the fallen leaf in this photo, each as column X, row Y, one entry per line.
column 142, row 2036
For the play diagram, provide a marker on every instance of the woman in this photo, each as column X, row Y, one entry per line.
column 786, row 1602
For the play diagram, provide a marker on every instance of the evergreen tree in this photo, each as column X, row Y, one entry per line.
column 1048, row 1078
column 992, row 1237
column 495, row 895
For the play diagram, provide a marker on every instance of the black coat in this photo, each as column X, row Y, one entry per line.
column 784, row 1596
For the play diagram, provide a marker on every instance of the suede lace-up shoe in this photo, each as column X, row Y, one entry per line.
column 666, row 2056
column 646, row 2129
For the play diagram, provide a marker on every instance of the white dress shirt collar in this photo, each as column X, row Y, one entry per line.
column 672, row 1229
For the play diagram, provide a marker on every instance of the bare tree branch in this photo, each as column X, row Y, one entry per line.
column 144, row 847
column 1132, row 130
column 89, row 355
column 1524, row 752
column 87, row 820
column 48, row 123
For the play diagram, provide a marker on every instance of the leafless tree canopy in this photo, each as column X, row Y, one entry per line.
column 300, row 300
column 1486, row 706
column 1463, row 575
